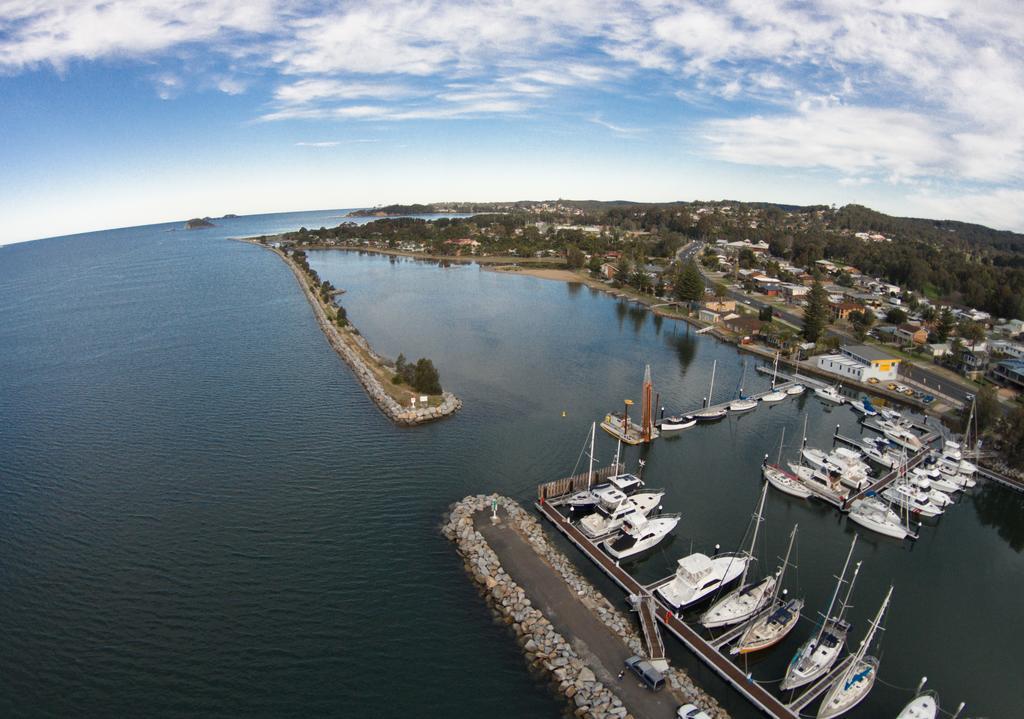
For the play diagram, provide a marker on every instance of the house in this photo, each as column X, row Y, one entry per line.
column 1009, row 373
column 1009, row 349
column 911, row 334
column 860, row 363
column 771, row 289
column 743, row 325
column 841, row 310
column 794, row 293
column 972, row 362
column 939, row 349
column 609, row 270
column 708, row 316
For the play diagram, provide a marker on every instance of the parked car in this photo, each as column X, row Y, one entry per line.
column 891, row 385
column 689, row 711
column 872, row 380
column 651, row 677
column 928, row 399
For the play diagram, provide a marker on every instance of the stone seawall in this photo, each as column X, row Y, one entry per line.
column 340, row 341
column 544, row 648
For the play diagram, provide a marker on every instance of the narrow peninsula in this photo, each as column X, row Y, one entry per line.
column 408, row 393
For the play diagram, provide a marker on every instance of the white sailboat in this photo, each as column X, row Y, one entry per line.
column 924, row 705
column 819, row 653
column 709, row 413
column 773, row 626
column 776, row 395
column 854, row 684
column 795, row 389
column 675, row 423
column 782, row 480
column 639, row 534
column 747, row 600
column 742, row 403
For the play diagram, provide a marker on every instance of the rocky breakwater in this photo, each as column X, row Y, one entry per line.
column 348, row 344
column 545, row 649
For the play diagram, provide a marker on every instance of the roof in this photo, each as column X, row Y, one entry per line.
column 695, row 565
column 867, row 352
column 1017, row 365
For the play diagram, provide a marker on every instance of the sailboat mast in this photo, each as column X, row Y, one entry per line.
column 849, row 591
column 711, row 390
column 800, row 457
column 590, row 471
column 775, row 372
column 835, row 594
column 785, row 563
column 758, row 518
column 618, row 449
column 866, row 642
column 782, row 441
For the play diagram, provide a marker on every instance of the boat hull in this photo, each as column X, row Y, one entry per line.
column 765, row 633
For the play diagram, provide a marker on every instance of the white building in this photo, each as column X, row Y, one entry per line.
column 860, row 363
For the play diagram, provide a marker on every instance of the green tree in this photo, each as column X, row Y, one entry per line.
column 689, row 285
column 971, row 332
column 943, row 325
column 720, row 291
column 1013, row 436
column 895, row 316
column 765, row 314
column 625, row 270
column 425, row 377
column 595, row 263
column 816, row 313
column 986, row 408
column 861, row 322
column 574, row 257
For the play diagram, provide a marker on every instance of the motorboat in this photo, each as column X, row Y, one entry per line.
column 784, row 481
column 924, row 485
column 853, row 471
column 951, row 470
column 698, row 576
column 889, row 414
column 924, row 705
column 613, row 507
column 795, row 389
column 748, row 599
column 829, row 394
column 937, row 480
column 588, row 499
column 874, row 514
column 818, row 459
column 675, row 423
column 885, row 457
column 901, row 435
column 952, row 450
column 819, row 483
column 858, row 678
column 864, row 407
column 909, row 497
column 770, row 629
column 639, row 534
column 817, row 655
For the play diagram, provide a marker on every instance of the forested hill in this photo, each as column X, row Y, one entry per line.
column 863, row 219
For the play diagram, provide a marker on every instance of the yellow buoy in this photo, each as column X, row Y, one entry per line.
column 563, row 412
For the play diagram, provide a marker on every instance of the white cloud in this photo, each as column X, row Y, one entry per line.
column 326, row 143
column 1002, row 208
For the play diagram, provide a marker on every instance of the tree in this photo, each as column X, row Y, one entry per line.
column 816, row 313
column 595, row 264
column 625, row 270
column 425, row 377
column 895, row 316
column 986, row 408
column 765, row 314
column 971, row 332
column 689, row 284
column 944, row 325
column 1013, row 436
column 574, row 257
column 928, row 314
column 862, row 322
column 720, row 291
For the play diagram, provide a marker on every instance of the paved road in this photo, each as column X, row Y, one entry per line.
column 603, row 651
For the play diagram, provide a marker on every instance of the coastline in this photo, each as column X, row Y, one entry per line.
column 367, row 365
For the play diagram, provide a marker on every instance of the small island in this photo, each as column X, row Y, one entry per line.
column 198, row 223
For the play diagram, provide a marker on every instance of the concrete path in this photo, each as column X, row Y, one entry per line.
column 603, row 651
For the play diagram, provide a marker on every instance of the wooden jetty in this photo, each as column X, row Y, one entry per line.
column 559, row 490
column 760, row 697
column 725, row 405
column 1001, row 479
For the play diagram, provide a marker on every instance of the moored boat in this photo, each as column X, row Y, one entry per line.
column 614, row 507
column 784, row 481
column 829, row 394
column 639, row 534
column 698, row 576
column 874, row 514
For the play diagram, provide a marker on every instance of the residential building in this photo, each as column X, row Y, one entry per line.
column 609, row 270
column 841, row 310
column 972, row 362
column 721, row 305
column 1009, row 373
column 743, row 325
column 708, row 316
column 911, row 334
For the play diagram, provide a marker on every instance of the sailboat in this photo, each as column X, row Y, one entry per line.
column 871, row 512
column 782, row 480
column 742, row 403
column 709, row 413
column 855, row 683
column 819, row 653
column 773, row 626
column 674, row 423
column 748, row 599
column 776, row 395
column 924, row 705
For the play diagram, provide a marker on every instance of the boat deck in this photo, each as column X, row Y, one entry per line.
column 760, row 697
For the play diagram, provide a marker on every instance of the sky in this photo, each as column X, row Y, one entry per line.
column 121, row 113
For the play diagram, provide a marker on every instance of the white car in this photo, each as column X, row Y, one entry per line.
column 901, row 388
column 689, row 711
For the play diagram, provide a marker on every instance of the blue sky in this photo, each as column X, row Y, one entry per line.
column 121, row 113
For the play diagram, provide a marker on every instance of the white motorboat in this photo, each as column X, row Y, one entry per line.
column 819, row 653
column 588, row 498
column 890, row 414
column 874, row 514
column 795, row 389
column 829, row 394
column 675, row 423
column 784, row 481
column 613, row 507
column 924, row 485
column 819, row 483
column 885, row 457
column 951, row 471
column 951, row 450
column 742, row 404
column 639, row 534
column 925, row 705
column 818, row 459
column 853, row 471
column 748, row 599
column 856, row 681
column 699, row 576
column 901, row 435
column 908, row 497
column 938, row 480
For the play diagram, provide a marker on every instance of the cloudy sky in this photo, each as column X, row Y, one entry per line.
column 128, row 112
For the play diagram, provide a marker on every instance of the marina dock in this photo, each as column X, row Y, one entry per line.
column 891, row 476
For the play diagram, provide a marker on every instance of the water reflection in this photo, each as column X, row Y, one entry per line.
column 574, row 288
column 996, row 509
column 620, row 312
column 685, row 345
column 658, row 322
column 638, row 314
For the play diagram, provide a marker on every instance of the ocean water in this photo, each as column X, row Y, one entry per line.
column 201, row 513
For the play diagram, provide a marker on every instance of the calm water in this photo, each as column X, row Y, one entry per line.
column 201, row 512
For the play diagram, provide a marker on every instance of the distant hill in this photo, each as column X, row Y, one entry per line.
column 393, row 211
